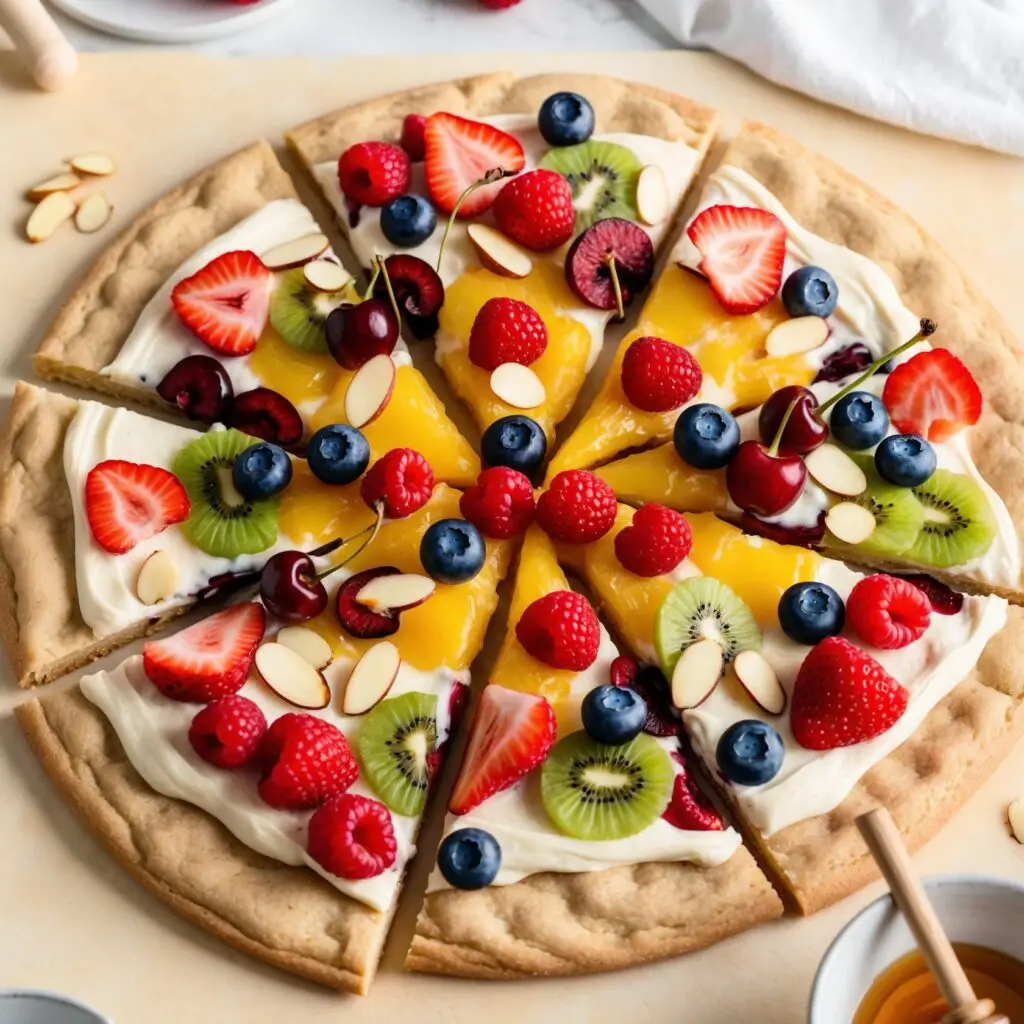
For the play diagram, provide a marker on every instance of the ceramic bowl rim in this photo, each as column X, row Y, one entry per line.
column 52, row 997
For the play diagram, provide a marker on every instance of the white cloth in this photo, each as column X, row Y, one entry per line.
column 953, row 68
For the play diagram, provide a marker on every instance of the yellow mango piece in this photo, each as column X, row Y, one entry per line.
column 659, row 475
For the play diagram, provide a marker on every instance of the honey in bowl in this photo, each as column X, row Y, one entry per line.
column 905, row 992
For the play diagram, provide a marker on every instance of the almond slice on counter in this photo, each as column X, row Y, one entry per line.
column 696, row 674
column 308, row 644
column 296, row 252
column 801, row 334
column 850, row 523
column 373, row 675
column 388, row 594
column 836, row 471
column 53, row 211
column 58, row 183
column 93, row 212
column 326, row 276
column 518, row 386
column 498, row 253
column 759, row 680
column 158, row 578
column 370, row 390
column 1015, row 814
column 98, row 165
column 292, row 677
column 652, row 195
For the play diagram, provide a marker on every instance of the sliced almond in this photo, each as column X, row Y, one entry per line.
column 652, row 195
column 326, row 276
column 59, row 183
column 158, row 578
column 385, row 594
column 374, row 674
column 498, row 253
column 836, row 471
column 850, row 523
column 292, row 677
column 295, row 253
column 93, row 213
column 308, row 644
column 518, row 386
column 1015, row 812
column 801, row 334
column 99, row 165
column 53, row 211
column 370, row 390
column 696, row 674
column 758, row 678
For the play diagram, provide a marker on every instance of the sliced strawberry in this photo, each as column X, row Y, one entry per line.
column 459, row 153
column 512, row 734
column 689, row 809
column 208, row 660
column 742, row 250
column 226, row 304
column 127, row 502
column 933, row 394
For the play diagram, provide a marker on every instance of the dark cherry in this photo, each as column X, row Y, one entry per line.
column 653, row 687
column 943, row 600
column 764, row 483
column 588, row 264
column 355, row 334
column 200, row 387
column 798, row 536
column 804, row 431
column 852, row 359
column 289, row 587
column 418, row 290
column 266, row 414
column 360, row 622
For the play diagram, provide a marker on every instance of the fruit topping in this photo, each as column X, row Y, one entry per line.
column 750, row 753
column 299, row 312
column 623, row 670
column 850, row 523
column 742, row 251
column 157, row 579
column 228, row 732
column 394, row 744
column 500, row 504
column 370, row 390
column 307, row 644
column 352, row 837
column 943, row 600
column 507, row 331
column 795, row 337
column 93, row 212
column 290, row 587
column 211, row 659
column 603, row 177
column 458, row 153
column 358, row 620
column 804, row 432
column 809, row 612
column 689, row 809
column 305, row 760
column 392, row 593
column 54, row 210
column 905, row 460
column 762, row 481
column 609, row 263
column 498, row 254
column 372, row 676
column 652, row 199
column 401, row 481
column 408, row 220
column 845, row 362
column 517, row 442
column 810, row 291
column 897, row 515
column 758, row 679
column 959, row 524
column 470, row 858
column 355, row 334
column 859, row 420
column 535, row 209
column 338, row 454
column 262, row 471
column 658, row 376
column 295, row 253
column 888, row 612
column 452, row 551
column 932, row 394
column 292, row 677
column 127, row 503
column 566, row 119
column 418, row 291
column 371, row 173
column 222, row 522
column 561, row 629
column 518, row 386
column 834, row 470
column 658, row 539
column 97, row 165
column 226, row 304
column 413, row 139
column 706, row 436
column 594, row 791
column 577, row 508
column 200, row 387
column 613, row 714
column 803, row 535
column 843, row 696
column 267, row 414
column 696, row 673
column 654, row 688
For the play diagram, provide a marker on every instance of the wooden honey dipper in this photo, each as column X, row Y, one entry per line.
column 886, row 846
column 50, row 58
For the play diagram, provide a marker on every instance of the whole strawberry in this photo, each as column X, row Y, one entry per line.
column 401, row 480
column 352, row 837
column 228, row 732
column 536, row 210
column 373, row 173
column 561, row 629
column 842, row 696
column 501, row 503
column 658, row 376
column 888, row 612
column 656, row 542
column 507, row 331
column 578, row 507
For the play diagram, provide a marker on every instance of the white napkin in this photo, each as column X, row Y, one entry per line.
column 953, row 68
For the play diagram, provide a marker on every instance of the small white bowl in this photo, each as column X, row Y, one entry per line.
column 30, row 1006
column 975, row 909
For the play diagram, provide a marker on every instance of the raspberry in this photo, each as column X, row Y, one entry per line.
column 536, row 210
column 227, row 732
column 623, row 670
column 507, row 331
column 689, row 809
column 888, row 612
column 501, row 504
column 656, row 543
column 305, row 761
column 561, row 630
column 352, row 837
column 577, row 508
column 658, row 376
column 414, row 139
column 402, row 479
column 373, row 173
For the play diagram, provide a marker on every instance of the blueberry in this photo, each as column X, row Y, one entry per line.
column 810, row 291
column 905, row 460
column 516, row 442
column 338, row 454
column 261, row 471
column 452, row 551
column 408, row 220
column 469, row 858
column 613, row 714
column 566, row 119
column 750, row 753
column 859, row 420
column 706, row 436
column 809, row 612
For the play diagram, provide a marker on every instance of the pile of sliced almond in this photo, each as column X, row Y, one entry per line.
column 56, row 204
column 699, row 671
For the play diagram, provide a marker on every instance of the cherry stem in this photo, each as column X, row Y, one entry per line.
column 773, row 451
column 383, row 270
column 493, row 175
column 373, row 529
column 927, row 329
column 613, row 272
column 373, row 279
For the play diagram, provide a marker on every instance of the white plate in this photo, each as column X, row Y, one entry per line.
column 170, row 21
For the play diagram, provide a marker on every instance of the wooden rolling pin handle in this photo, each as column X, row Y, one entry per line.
column 50, row 58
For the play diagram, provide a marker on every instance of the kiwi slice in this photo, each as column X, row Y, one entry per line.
column 603, row 177
column 703, row 608
column 593, row 791
column 959, row 524
column 298, row 313
column 221, row 521
column 392, row 745
column 898, row 514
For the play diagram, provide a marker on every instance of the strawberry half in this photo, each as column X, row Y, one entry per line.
column 128, row 502
column 742, row 250
column 226, row 304
column 512, row 734
column 933, row 394
column 460, row 152
column 208, row 660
